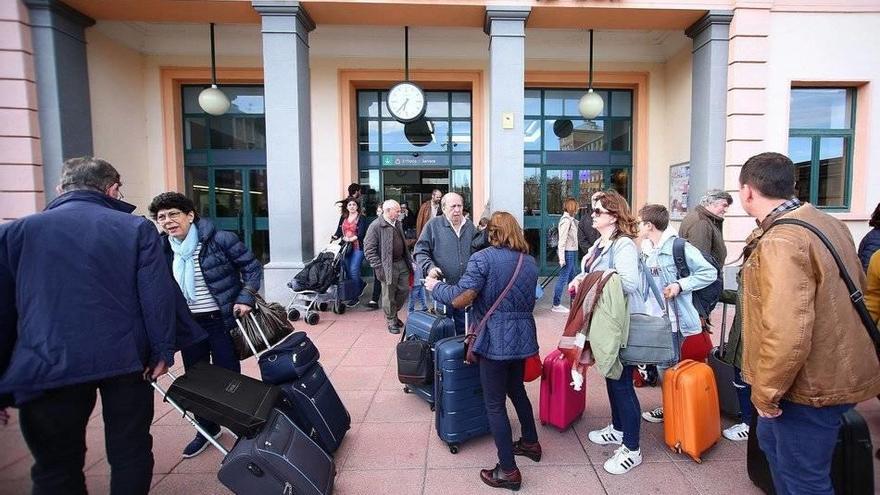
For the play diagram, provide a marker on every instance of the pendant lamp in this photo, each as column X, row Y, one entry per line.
column 213, row 100
column 591, row 103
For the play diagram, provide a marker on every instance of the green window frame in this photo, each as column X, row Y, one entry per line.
column 808, row 147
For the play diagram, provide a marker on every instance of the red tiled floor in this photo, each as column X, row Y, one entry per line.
column 389, row 446
column 376, row 481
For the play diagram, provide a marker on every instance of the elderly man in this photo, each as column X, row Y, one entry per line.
column 703, row 226
column 428, row 210
column 87, row 303
column 385, row 250
column 806, row 352
column 446, row 245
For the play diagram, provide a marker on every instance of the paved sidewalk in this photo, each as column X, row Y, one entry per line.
column 393, row 447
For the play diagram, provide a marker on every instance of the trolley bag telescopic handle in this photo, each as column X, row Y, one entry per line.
column 259, row 330
column 192, row 421
column 722, row 345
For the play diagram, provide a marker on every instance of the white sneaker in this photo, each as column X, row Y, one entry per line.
column 737, row 432
column 607, row 435
column 654, row 416
column 623, row 460
column 559, row 309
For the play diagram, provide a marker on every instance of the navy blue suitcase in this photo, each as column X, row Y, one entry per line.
column 431, row 328
column 313, row 404
column 460, row 413
column 289, row 359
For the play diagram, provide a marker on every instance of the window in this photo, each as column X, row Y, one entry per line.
column 820, row 144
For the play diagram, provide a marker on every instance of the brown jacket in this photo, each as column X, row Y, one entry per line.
column 424, row 216
column 803, row 340
column 704, row 230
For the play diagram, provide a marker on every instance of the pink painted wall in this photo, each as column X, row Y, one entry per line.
column 21, row 171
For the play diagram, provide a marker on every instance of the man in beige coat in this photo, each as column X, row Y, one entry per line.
column 806, row 352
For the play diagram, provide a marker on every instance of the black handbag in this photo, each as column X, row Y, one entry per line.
column 651, row 339
column 267, row 322
column 415, row 362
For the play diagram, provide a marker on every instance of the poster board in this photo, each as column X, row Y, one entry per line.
column 679, row 183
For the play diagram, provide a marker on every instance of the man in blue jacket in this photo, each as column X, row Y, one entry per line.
column 87, row 303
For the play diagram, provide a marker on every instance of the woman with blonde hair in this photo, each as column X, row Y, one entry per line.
column 567, row 251
column 616, row 250
column 499, row 284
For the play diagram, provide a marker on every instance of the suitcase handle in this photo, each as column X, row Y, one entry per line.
column 192, row 421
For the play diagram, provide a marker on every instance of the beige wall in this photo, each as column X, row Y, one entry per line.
column 676, row 119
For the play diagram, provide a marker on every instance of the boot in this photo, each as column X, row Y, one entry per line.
column 530, row 450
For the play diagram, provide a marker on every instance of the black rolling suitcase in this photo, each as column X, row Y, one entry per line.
column 852, row 467
column 280, row 458
column 427, row 327
column 313, row 404
column 724, row 373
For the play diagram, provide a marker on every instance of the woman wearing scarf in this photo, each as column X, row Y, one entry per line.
column 217, row 275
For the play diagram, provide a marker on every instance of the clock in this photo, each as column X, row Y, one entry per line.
column 406, row 102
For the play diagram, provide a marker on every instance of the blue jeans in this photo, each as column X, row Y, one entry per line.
column 566, row 275
column 353, row 261
column 799, row 446
column 417, row 294
column 625, row 409
column 502, row 379
column 744, row 395
column 216, row 349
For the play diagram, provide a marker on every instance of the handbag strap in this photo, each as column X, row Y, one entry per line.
column 643, row 270
column 855, row 295
column 483, row 321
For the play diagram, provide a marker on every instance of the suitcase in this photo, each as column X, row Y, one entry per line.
column 727, row 397
column 460, row 413
column 313, row 404
column 281, row 458
column 240, row 403
column 290, row 359
column 561, row 405
column 430, row 328
column 691, row 419
column 852, row 467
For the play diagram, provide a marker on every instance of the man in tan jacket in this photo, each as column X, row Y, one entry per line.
column 806, row 353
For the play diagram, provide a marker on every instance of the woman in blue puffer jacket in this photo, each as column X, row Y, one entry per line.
column 508, row 336
column 217, row 275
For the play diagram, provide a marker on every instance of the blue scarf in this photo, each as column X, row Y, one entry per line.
column 183, row 266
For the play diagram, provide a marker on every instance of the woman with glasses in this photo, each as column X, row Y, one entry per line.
column 616, row 250
column 217, row 275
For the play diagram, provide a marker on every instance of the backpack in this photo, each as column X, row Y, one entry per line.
column 706, row 298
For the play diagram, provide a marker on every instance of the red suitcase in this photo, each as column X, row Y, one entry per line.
column 561, row 405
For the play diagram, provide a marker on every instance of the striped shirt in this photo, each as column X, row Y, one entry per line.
column 204, row 302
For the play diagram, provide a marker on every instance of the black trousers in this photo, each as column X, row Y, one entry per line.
column 54, row 427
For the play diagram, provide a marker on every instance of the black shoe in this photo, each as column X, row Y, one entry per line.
column 499, row 478
column 392, row 328
column 199, row 444
column 373, row 305
column 530, row 450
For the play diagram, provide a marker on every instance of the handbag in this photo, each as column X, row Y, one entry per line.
column 267, row 323
column 533, row 367
column 471, row 337
column 415, row 363
column 651, row 339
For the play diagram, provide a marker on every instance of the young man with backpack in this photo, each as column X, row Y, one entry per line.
column 660, row 250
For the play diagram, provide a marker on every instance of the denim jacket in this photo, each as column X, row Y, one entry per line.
column 660, row 260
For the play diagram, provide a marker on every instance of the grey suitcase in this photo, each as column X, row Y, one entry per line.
column 727, row 398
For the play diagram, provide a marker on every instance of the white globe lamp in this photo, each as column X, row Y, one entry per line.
column 213, row 100
column 591, row 105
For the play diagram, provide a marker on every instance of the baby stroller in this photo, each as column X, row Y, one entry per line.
column 316, row 287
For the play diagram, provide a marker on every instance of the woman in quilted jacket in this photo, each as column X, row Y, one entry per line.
column 499, row 284
column 217, row 275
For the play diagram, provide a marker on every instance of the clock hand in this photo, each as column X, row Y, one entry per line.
column 400, row 109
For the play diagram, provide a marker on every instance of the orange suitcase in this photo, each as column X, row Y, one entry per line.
column 691, row 418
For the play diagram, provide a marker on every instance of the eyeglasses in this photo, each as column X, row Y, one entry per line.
column 171, row 215
column 598, row 212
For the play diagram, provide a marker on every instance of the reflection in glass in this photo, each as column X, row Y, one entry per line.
column 370, row 185
column 532, row 192
column 368, row 135
column 532, row 135
column 228, row 193
column 259, row 193
column 620, row 135
column 437, row 104
column 591, row 181
column 533, row 237
column 621, row 103
column 832, row 171
column 238, row 133
column 551, row 254
column 197, row 189
column 194, row 133
column 461, row 136
column 394, row 139
column 461, row 183
column 820, row 108
column 533, row 102
column 565, row 102
column 368, row 104
column 800, row 150
column 620, row 181
column 560, row 185
column 260, row 245
column 585, row 136
column 461, row 104
column 243, row 99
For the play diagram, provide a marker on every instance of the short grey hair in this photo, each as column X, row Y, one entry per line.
column 87, row 172
column 714, row 195
column 390, row 204
column 443, row 200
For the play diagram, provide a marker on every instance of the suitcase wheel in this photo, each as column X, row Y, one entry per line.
column 312, row 318
column 323, row 306
column 453, row 447
column 405, row 389
column 339, row 308
column 293, row 315
column 433, row 408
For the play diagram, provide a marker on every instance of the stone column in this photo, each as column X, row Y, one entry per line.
column 285, row 29
column 708, row 103
column 62, row 76
column 506, row 29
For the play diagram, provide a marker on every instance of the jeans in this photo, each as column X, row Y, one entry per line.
column 744, row 395
column 799, row 446
column 566, row 275
column 353, row 261
column 417, row 294
column 502, row 379
column 625, row 409
column 54, row 427
column 216, row 349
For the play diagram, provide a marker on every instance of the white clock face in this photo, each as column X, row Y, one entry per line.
column 406, row 102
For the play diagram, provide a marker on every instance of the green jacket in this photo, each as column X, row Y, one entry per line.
column 609, row 328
